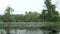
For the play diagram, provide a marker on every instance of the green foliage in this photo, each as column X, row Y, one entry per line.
column 49, row 14
column 19, row 18
column 31, row 16
column 7, row 16
column 1, row 18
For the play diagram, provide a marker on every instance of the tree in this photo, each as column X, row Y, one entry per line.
column 1, row 18
column 49, row 14
column 19, row 17
column 31, row 16
column 7, row 16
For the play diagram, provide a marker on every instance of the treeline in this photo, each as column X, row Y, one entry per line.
column 49, row 14
column 27, row 17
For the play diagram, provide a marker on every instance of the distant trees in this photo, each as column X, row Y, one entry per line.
column 31, row 16
column 27, row 17
column 19, row 17
column 1, row 18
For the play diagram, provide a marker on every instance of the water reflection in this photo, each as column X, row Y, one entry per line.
column 2, row 31
column 26, row 31
column 18, row 31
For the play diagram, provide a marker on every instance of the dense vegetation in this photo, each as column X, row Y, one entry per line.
column 48, row 15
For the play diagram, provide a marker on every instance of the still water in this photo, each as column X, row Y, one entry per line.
column 25, row 31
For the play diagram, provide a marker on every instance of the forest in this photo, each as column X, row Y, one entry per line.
column 48, row 14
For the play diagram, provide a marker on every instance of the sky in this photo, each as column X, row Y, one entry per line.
column 21, row 6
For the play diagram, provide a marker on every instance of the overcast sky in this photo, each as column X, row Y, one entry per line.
column 20, row 6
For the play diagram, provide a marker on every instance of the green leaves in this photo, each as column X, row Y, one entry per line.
column 31, row 16
column 7, row 16
column 49, row 14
